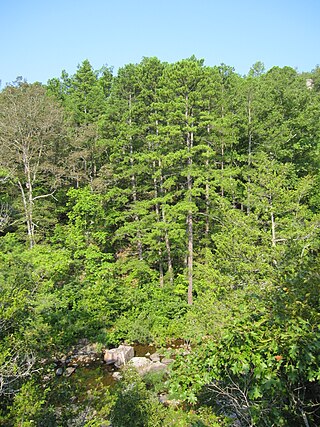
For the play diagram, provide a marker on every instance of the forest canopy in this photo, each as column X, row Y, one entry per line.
column 166, row 201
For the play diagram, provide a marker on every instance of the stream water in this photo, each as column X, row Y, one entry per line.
column 73, row 395
column 91, row 381
column 99, row 373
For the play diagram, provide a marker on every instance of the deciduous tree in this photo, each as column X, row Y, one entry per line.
column 30, row 137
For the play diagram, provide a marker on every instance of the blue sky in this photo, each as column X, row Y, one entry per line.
column 41, row 38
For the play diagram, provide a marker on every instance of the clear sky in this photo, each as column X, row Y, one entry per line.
column 41, row 38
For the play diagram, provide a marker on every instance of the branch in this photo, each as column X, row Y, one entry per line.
column 4, row 179
column 45, row 195
column 14, row 369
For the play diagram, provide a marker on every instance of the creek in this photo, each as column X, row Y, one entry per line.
column 100, row 372
column 97, row 374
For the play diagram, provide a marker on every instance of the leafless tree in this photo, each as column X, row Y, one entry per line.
column 30, row 131
column 13, row 369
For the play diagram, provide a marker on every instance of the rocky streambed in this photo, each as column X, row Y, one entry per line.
column 84, row 375
column 90, row 356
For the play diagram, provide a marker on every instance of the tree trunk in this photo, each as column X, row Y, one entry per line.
column 273, row 224
column 28, row 213
column 189, row 215
column 157, row 210
column 134, row 198
column 249, row 150
column 273, row 229
column 168, row 248
column 134, row 188
column 190, row 257
column 27, row 198
column 222, row 154
column 207, row 194
column 166, row 234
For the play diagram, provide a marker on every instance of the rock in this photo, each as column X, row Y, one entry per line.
column 117, row 376
column 84, row 359
column 141, row 364
column 157, row 366
column 167, row 361
column 59, row 372
column 83, row 341
column 83, row 353
column 69, row 371
column 89, row 349
column 109, row 359
column 155, row 357
column 119, row 356
column 163, row 398
column 63, row 359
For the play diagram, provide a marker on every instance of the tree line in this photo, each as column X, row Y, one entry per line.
column 168, row 201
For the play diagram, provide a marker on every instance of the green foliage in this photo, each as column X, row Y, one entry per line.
column 28, row 405
column 135, row 405
column 137, row 190
column 153, row 315
column 264, row 365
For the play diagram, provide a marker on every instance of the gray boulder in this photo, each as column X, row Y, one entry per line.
column 59, row 372
column 167, row 361
column 155, row 357
column 141, row 364
column 69, row 371
column 119, row 356
column 157, row 366
column 117, row 376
